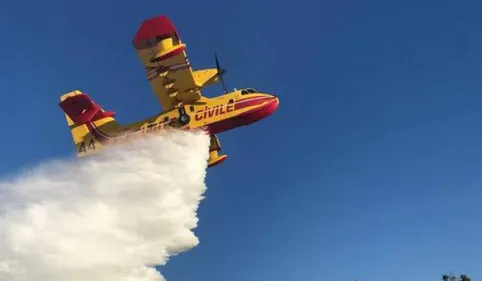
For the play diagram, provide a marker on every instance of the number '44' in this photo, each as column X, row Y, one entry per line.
column 83, row 147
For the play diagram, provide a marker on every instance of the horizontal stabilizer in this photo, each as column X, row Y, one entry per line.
column 81, row 109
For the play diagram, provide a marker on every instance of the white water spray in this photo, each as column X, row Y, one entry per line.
column 105, row 218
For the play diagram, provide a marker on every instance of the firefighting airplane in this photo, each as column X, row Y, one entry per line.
column 178, row 89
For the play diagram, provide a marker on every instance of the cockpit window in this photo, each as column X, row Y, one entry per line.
column 248, row 91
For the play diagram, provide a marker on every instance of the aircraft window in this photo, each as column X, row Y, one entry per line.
column 191, row 108
column 248, row 91
column 231, row 101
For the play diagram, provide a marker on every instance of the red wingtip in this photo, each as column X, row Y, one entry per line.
column 159, row 26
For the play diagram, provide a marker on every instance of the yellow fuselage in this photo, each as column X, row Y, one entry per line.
column 215, row 115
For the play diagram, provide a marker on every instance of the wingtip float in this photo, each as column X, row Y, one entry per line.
column 178, row 89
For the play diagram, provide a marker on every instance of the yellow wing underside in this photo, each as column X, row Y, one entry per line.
column 170, row 74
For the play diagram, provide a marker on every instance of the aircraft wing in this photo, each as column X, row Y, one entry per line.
column 168, row 70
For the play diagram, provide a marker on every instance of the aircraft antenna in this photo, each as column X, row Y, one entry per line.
column 221, row 72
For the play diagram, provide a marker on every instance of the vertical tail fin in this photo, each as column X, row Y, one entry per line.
column 84, row 118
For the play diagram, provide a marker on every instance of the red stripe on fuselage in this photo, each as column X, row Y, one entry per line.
column 209, row 111
column 251, row 102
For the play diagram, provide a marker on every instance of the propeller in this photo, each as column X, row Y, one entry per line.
column 221, row 72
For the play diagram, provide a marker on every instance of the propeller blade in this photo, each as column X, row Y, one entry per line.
column 217, row 60
column 220, row 72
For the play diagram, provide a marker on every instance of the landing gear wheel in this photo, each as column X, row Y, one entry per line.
column 184, row 119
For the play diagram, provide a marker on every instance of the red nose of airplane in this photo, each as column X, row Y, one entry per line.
column 272, row 106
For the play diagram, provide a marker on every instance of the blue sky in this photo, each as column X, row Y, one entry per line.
column 371, row 169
